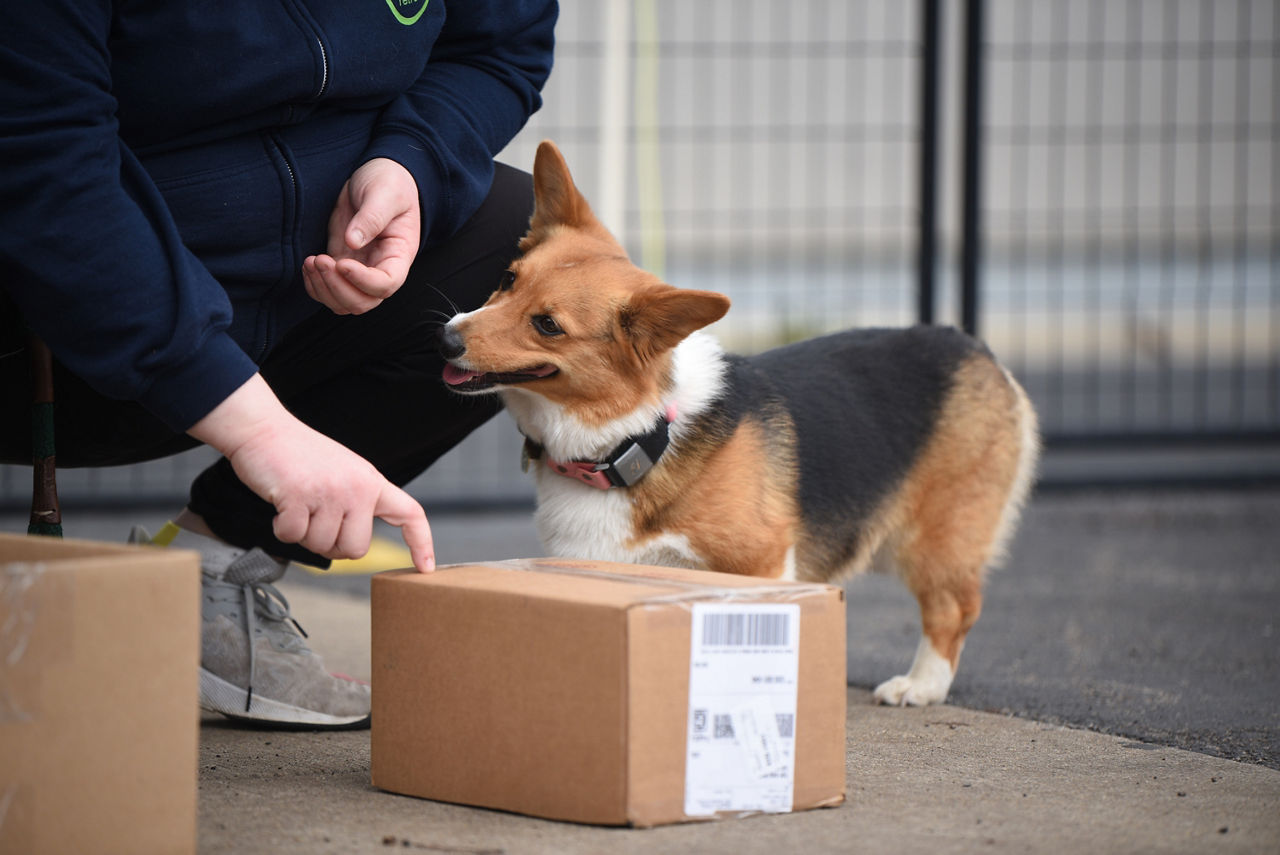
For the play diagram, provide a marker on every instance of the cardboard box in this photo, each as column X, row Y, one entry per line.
column 562, row 689
column 99, row 718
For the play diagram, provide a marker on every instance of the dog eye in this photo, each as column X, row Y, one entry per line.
column 547, row 325
column 508, row 279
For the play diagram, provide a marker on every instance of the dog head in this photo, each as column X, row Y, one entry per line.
column 573, row 320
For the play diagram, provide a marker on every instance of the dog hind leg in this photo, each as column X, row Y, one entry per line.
column 957, row 506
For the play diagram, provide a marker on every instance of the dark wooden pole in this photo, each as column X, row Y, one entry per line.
column 46, row 515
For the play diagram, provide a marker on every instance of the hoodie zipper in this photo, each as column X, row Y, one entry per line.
column 289, row 232
column 309, row 27
column 324, row 69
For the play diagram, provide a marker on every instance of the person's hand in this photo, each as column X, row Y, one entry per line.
column 326, row 495
column 374, row 232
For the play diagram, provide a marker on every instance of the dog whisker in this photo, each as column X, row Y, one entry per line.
column 449, row 300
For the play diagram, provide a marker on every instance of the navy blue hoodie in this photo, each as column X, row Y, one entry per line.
column 166, row 166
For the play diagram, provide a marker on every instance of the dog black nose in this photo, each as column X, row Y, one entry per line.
column 450, row 343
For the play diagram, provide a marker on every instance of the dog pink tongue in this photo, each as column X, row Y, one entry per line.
column 453, row 375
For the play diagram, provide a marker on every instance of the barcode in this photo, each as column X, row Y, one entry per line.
column 750, row 630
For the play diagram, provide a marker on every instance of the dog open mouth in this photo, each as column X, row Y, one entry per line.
column 464, row 380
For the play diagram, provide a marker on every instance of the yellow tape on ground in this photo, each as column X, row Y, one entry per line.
column 383, row 554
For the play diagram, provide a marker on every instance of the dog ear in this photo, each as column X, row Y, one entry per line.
column 557, row 201
column 657, row 319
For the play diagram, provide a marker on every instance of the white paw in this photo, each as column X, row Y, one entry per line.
column 902, row 691
column 926, row 683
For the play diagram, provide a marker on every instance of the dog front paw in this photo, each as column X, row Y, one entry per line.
column 903, row 691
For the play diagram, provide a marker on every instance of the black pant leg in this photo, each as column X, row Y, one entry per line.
column 89, row 428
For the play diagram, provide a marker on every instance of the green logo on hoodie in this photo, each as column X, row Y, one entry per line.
column 408, row 11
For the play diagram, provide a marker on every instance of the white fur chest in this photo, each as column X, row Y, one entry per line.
column 576, row 521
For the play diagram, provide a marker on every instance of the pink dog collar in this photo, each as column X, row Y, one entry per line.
column 623, row 467
column 587, row 473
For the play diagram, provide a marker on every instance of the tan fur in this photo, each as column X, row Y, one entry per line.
column 597, row 381
column 955, row 498
column 735, row 502
column 621, row 321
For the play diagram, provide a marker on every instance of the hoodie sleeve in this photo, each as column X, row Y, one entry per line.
column 89, row 252
column 480, row 85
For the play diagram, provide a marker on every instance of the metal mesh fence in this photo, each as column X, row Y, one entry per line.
column 768, row 150
column 1131, row 214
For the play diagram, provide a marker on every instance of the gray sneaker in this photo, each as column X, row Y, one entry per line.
column 276, row 679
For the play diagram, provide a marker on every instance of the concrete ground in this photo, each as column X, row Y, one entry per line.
column 1154, row 616
column 938, row 780
column 1124, row 630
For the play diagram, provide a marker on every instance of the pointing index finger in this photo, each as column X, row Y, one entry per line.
column 398, row 508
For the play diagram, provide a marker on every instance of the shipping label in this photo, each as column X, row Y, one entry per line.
column 743, row 672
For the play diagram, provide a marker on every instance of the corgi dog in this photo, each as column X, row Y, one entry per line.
column 907, row 450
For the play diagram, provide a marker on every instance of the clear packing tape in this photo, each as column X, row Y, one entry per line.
column 37, row 633
column 688, row 591
column 20, row 596
column 22, row 591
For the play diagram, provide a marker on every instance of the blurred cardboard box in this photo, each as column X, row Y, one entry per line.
column 99, row 718
column 607, row 693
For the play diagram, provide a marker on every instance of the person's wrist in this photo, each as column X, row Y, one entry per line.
column 249, row 413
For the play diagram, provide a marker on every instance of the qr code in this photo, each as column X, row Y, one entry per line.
column 786, row 725
column 723, row 727
column 699, row 721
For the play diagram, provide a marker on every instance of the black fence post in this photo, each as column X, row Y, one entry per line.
column 971, row 154
column 927, row 226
